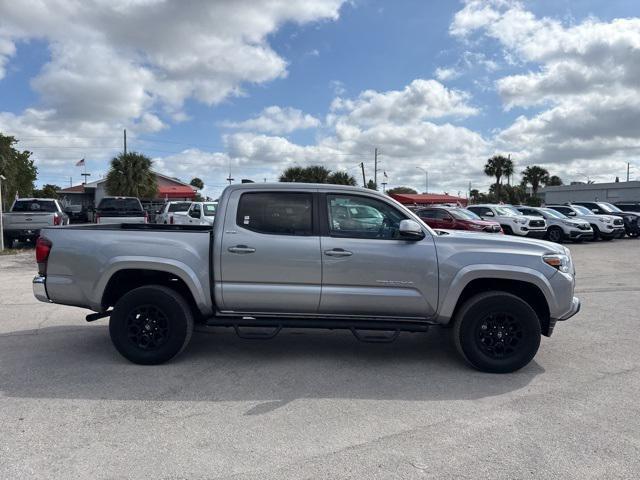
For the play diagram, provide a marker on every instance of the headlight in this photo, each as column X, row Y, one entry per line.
column 521, row 220
column 559, row 261
column 476, row 227
column 605, row 220
column 569, row 223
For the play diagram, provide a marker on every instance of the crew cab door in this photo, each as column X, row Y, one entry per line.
column 270, row 253
column 367, row 269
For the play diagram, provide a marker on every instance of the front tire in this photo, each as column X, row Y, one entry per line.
column 507, row 230
column 151, row 325
column 496, row 332
column 555, row 234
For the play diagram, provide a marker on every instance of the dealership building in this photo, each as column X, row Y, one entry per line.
column 583, row 192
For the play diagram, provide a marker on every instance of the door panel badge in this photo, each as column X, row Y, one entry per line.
column 247, row 218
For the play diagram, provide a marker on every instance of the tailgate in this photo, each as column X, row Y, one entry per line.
column 113, row 220
column 31, row 221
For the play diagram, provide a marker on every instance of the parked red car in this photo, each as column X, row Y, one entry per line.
column 455, row 218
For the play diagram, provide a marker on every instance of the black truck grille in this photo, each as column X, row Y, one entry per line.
column 583, row 226
column 618, row 221
column 536, row 223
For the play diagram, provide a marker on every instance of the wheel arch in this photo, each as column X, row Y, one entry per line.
column 533, row 288
column 124, row 276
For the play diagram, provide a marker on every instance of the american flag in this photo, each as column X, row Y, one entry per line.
column 80, row 163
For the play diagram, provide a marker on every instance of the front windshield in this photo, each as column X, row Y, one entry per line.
column 609, row 207
column 582, row 210
column 463, row 214
column 552, row 213
column 507, row 211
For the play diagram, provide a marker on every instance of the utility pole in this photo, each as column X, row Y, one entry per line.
column 364, row 180
column 70, row 181
column 375, row 167
column 627, row 171
column 426, row 179
column 125, row 141
column 2, row 177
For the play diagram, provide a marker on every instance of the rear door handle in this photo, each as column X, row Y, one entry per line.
column 241, row 249
column 338, row 252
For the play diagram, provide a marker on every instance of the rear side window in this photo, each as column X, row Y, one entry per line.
column 479, row 210
column 276, row 213
column 179, row 207
column 210, row 209
column 427, row 213
column 120, row 204
column 34, row 206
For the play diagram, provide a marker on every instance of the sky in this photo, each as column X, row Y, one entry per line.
column 247, row 88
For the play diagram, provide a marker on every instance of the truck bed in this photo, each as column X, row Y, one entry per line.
column 83, row 259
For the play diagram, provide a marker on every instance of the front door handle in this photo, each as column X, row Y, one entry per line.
column 241, row 249
column 338, row 252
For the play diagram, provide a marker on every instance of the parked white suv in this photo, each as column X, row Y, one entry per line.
column 606, row 227
column 511, row 220
column 165, row 215
column 559, row 226
column 199, row 213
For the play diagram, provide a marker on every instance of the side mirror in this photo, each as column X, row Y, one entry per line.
column 447, row 219
column 489, row 214
column 571, row 214
column 410, row 230
column 194, row 214
column 594, row 210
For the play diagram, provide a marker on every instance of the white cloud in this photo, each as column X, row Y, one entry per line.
column 444, row 74
column 419, row 100
column 277, row 120
column 132, row 62
column 585, row 87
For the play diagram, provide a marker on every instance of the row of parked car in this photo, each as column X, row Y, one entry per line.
column 575, row 222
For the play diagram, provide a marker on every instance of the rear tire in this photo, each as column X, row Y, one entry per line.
column 596, row 233
column 496, row 332
column 151, row 325
column 7, row 240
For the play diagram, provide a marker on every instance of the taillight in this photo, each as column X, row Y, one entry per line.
column 146, row 217
column 43, row 248
column 57, row 219
column 97, row 218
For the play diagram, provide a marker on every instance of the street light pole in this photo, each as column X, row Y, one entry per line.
column 2, row 177
column 426, row 179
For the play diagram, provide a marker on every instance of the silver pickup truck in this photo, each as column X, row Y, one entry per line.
column 28, row 216
column 290, row 255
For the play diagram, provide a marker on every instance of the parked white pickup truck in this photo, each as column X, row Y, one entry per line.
column 28, row 216
column 199, row 213
column 283, row 255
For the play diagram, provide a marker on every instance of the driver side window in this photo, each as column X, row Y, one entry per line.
column 354, row 216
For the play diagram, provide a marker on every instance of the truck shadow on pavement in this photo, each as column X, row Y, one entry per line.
column 80, row 363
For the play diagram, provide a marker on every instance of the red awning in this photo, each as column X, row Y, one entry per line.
column 427, row 198
column 176, row 191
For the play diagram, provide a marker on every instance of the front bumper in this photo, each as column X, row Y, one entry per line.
column 575, row 308
column 581, row 234
column 536, row 233
column 40, row 289
column 23, row 233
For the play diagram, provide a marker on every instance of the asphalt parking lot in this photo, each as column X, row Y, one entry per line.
column 320, row 404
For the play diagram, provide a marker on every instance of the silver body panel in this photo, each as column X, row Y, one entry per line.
column 274, row 275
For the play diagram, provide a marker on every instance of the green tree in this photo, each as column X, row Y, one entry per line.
column 371, row 185
column 197, row 182
column 316, row 174
column 47, row 191
column 19, row 170
column 131, row 176
column 474, row 195
column 341, row 178
column 554, row 181
column 401, row 190
column 498, row 166
column 535, row 176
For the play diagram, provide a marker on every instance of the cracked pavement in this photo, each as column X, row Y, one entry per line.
column 318, row 404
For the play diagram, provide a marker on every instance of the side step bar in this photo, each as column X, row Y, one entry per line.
column 259, row 334
column 377, row 337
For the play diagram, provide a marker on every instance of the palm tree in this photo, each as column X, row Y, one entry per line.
column 495, row 167
column 131, row 176
column 507, row 169
column 535, row 176
column 554, row 181
column 341, row 178
column 313, row 174
column 316, row 174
